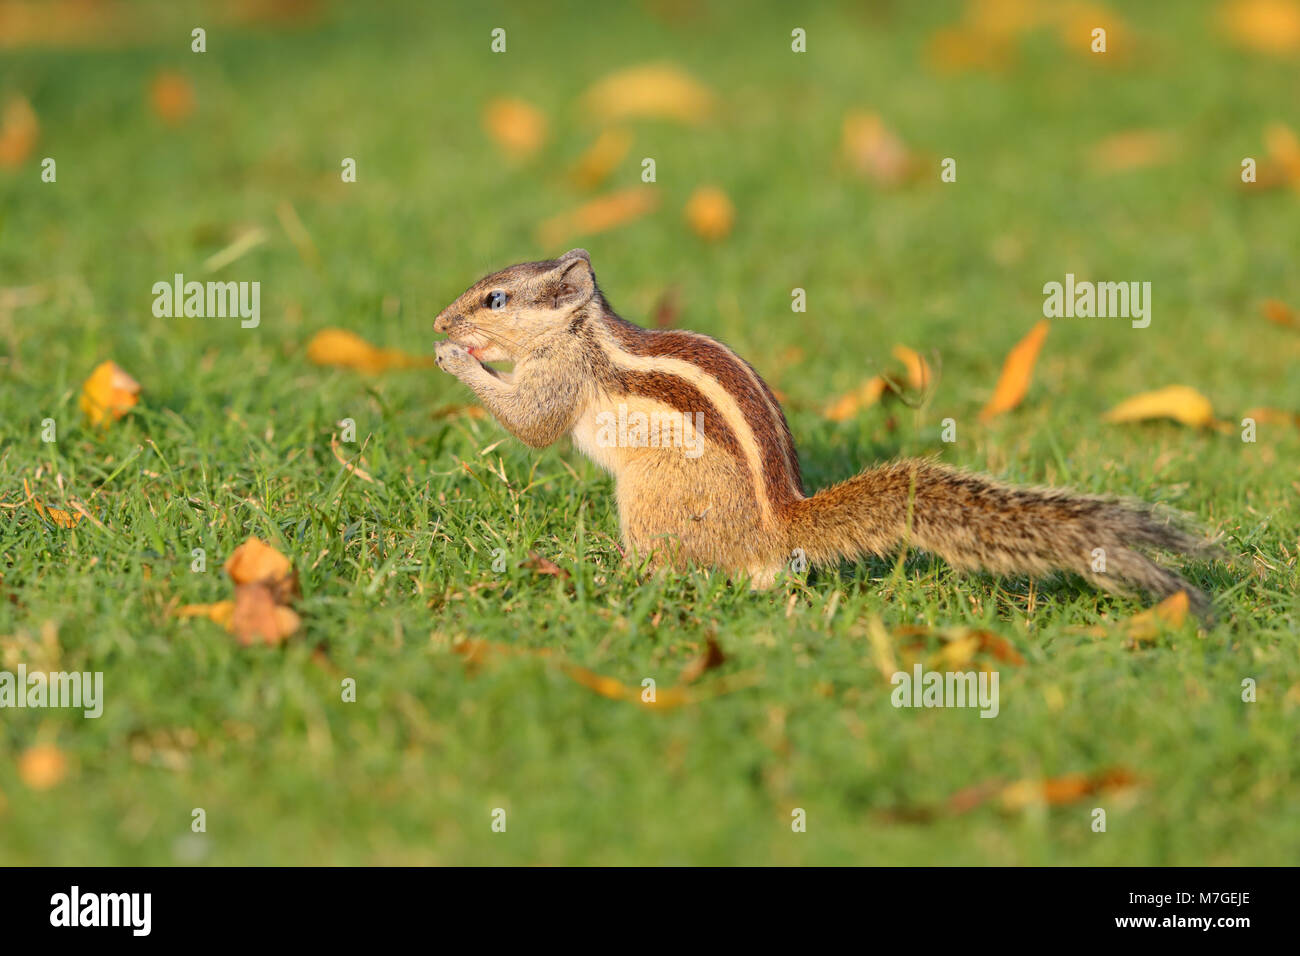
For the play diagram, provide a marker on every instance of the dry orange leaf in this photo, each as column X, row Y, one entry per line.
column 18, row 132
column 258, row 615
column 108, row 394
column 1017, row 372
column 1075, row 22
column 709, row 213
column 1273, row 416
column 598, row 215
column 1169, row 613
column 265, row 583
column 594, row 166
column 61, row 518
column 1269, row 26
column 256, row 562
column 518, row 127
column 349, row 350
column 1179, row 402
column 42, row 767
column 1281, row 313
column 172, row 97
column 1134, row 149
column 918, row 371
column 1065, row 789
column 848, row 405
column 220, row 612
column 872, row 150
column 656, row 90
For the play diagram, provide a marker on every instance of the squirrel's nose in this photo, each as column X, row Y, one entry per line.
column 443, row 322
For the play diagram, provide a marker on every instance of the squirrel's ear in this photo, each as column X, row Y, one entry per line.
column 572, row 283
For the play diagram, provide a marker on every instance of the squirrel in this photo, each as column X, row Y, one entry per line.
column 725, row 491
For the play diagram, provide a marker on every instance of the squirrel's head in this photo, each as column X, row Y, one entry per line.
column 510, row 313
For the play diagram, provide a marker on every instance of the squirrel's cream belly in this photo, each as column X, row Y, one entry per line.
column 680, row 495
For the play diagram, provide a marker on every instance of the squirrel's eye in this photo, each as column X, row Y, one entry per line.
column 495, row 299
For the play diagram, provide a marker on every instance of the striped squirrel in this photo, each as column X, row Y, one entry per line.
column 738, row 502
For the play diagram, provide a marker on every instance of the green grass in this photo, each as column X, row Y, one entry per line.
column 232, row 438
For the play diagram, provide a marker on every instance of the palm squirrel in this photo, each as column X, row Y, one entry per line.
column 706, row 471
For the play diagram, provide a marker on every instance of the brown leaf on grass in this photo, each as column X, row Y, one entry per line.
column 1069, row 788
column 1169, row 614
column 256, row 562
column 1179, row 402
column 257, row 615
column 709, row 213
column 171, row 96
column 961, row 48
column 1133, row 149
column 1017, row 372
column 1272, row 416
column 18, row 132
column 42, row 766
column 918, row 371
column 544, row 566
column 711, row 657
column 339, row 347
column 220, row 612
column 108, row 394
column 478, row 652
column 874, row 151
column 516, row 126
column 265, row 584
column 962, row 643
column 598, row 215
column 1075, row 21
column 850, row 403
column 56, row 516
column 1266, row 26
column 601, row 158
column 1280, row 313
column 659, row 90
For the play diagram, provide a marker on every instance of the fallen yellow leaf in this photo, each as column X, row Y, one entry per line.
column 598, row 215
column 518, row 127
column 918, row 371
column 1269, row 26
column 1280, row 313
column 42, row 767
column 872, row 150
column 655, row 90
column 1017, row 372
column 172, row 97
column 220, row 612
column 1169, row 613
column 18, row 132
column 108, row 394
column 1179, row 402
column 1134, row 149
column 848, row 405
column 349, row 350
column 1273, row 416
column 710, row 213
column 594, row 166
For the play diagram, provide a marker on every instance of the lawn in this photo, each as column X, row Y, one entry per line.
column 232, row 437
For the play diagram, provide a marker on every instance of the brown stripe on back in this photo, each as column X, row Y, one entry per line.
column 775, row 446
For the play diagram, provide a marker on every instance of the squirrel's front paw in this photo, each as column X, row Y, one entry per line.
column 452, row 358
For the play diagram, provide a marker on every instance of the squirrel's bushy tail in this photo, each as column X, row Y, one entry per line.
column 976, row 523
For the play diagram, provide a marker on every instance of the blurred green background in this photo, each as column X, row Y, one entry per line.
column 165, row 157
